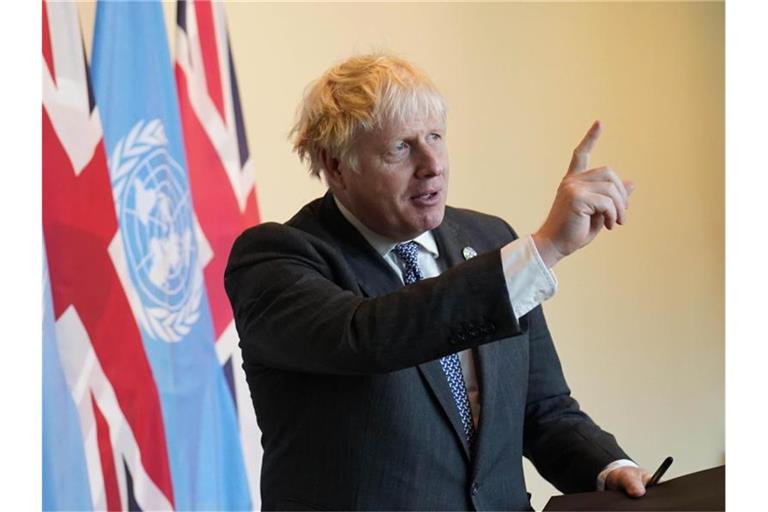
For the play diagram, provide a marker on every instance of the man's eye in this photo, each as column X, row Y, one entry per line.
column 435, row 136
column 400, row 147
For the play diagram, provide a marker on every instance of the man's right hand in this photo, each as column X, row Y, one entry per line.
column 586, row 200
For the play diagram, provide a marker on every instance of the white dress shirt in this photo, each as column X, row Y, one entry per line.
column 529, row 283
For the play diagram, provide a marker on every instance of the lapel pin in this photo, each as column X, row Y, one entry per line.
column 469, row 253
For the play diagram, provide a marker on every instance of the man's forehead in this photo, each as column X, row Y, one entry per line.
column 396, row 126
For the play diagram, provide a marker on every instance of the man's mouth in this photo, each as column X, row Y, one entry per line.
column 426, row 198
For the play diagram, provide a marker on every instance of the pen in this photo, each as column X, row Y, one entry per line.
column 659, row 472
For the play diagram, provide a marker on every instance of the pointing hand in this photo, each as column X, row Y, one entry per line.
column 587, row 200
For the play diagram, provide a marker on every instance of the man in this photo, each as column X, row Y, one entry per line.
column 375, row 395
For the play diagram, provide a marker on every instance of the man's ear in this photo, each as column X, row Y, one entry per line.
column 332, row 170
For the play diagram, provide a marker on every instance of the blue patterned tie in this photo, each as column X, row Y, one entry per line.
column 408, row 254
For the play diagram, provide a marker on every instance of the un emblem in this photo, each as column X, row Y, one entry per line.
column 156, row 223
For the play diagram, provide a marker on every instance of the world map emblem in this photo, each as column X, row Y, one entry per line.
column 157, row 225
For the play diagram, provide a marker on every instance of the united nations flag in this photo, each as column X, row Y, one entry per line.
column 159, row 253
column 155, row 207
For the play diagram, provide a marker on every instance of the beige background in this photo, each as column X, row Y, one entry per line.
column 639, row 316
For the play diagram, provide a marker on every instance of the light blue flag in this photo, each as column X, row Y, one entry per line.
column 159, row 254
column 65, row 473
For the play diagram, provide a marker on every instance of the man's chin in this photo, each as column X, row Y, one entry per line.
column 430, row 220
column 438, row 218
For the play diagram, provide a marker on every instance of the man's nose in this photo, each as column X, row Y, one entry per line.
column 431, row 162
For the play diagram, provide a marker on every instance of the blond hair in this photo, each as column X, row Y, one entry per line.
column 354, row 97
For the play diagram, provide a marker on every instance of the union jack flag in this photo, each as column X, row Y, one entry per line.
column 107, row 390
column 222, row 182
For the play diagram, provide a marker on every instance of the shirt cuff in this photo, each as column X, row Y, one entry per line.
column 529, row 281
column 610, row 467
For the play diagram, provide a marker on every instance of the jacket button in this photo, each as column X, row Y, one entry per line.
column 475, row 488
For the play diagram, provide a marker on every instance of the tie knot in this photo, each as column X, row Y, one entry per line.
column 408, row 253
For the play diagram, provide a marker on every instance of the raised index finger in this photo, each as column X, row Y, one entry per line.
column 580, row 159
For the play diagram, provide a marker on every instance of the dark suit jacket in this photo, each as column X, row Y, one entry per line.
column 342, row 364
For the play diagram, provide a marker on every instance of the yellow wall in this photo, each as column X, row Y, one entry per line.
column 639, row 315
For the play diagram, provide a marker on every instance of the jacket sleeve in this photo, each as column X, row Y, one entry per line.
column 563, row 442
column 295, row 308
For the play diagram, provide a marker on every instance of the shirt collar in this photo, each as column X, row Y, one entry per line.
column 382, row 244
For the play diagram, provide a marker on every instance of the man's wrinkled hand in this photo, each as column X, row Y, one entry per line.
column 629, row 479
column 587, row 200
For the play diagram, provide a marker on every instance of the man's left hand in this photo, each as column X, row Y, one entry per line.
column 629, row 479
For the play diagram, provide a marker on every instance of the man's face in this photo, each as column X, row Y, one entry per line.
column 400, row 187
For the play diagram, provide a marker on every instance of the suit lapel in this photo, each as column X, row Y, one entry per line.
column 451, row 242
column 375, row 278
column 436, row 381
column 487, row 361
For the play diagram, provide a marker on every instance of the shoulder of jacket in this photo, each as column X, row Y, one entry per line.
column 474, row 221
column 274, row 237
